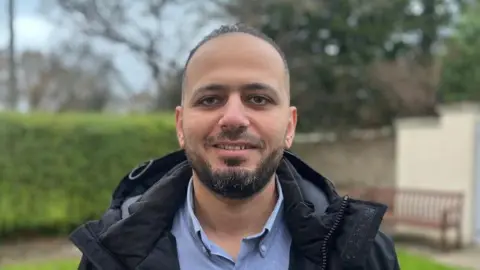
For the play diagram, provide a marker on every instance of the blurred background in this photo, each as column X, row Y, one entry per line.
column 387, row 93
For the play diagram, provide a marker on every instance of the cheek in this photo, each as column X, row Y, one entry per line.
column 275, row 131
column 194, row 131
column 200, row 124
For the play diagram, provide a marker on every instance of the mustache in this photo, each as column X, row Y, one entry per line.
column 237, row 134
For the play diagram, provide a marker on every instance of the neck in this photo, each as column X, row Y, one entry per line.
column 233, row 218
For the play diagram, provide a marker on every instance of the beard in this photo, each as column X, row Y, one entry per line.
column 234, row 182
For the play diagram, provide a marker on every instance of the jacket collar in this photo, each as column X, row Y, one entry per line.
column 161, row 170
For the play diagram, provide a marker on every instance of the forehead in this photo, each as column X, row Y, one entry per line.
column 236, row 58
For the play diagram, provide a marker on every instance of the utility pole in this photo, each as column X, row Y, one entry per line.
column 12, row 94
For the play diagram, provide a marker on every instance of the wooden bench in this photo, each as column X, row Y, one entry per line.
column 440, row 210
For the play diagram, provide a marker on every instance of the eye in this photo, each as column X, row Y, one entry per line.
column 209, row 101
column 258, row 100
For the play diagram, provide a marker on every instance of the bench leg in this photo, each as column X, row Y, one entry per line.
column 443, row 240
column 459, row 236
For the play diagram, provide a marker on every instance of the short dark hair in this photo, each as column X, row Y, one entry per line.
column 228, row 29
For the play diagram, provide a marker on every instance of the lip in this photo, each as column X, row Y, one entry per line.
column 234, row 152
column 247, row 145
column 225, row 154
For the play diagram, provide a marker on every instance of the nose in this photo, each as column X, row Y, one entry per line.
column 234, row 114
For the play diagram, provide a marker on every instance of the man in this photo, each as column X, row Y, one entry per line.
column 234, row 197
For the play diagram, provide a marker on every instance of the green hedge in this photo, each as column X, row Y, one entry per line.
column 56, row 171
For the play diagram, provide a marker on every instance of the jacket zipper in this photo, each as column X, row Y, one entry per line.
column 329, row 235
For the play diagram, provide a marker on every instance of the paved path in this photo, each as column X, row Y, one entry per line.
column 41, row 249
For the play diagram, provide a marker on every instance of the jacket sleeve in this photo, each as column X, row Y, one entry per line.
column 383, row 255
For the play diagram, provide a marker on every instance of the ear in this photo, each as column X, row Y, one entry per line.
column 179, row 125
column 291, row 127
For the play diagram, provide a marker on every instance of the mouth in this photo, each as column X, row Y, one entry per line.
column 234, row 146
column 236, row 152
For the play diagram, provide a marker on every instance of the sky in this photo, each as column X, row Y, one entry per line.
column 37, row 31
column 32, row 30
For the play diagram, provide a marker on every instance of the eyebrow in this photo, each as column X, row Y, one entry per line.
column 245, row 87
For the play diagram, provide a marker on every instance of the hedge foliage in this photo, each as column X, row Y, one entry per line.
column 56, row 171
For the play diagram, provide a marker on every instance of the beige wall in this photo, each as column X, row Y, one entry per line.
column 361, row 158
column 439, row 154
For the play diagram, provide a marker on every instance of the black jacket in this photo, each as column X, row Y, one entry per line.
column 344, row 236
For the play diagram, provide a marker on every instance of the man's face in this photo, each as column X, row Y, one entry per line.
column 236, row 118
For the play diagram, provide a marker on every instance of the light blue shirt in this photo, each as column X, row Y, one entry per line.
column 268, row 250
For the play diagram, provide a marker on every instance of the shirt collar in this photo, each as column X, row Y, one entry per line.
column 194, row 223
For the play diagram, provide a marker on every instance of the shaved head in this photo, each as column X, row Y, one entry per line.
column 234, row 29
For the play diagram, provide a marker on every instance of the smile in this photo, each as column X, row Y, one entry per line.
column 234, row 147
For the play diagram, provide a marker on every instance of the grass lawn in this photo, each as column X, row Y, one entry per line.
column 407, row 262
column 67, row 264
column 413, row 262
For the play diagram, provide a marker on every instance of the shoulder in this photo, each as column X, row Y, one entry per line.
column 144, row 175
column 361, row 241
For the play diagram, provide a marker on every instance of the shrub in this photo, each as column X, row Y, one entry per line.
column 56, row 171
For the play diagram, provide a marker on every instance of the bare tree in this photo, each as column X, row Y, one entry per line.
column 84, row 82
column 35, row 72
column 73, row 78
column 145, row 27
